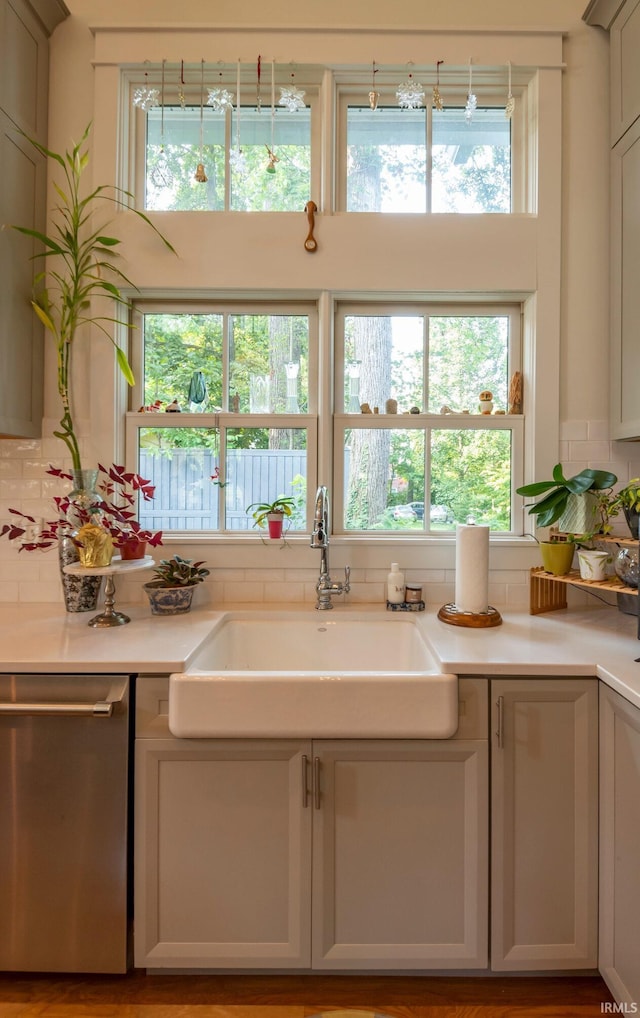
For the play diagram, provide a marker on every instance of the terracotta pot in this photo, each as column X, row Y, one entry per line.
column 133, row 549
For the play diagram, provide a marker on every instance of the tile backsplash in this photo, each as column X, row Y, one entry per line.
column 243, row 573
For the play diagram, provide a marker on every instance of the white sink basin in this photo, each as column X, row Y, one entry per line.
column 273, row 675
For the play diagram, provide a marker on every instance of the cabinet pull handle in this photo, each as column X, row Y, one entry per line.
column 305, row 780
column 316, row 782
column 500, row 730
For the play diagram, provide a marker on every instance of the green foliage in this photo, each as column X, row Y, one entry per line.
column 261, row 510
column 627, row 498
column 178, row 572
column 83, row 268
column 550, row 508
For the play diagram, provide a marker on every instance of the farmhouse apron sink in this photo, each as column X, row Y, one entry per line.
column 279, row 675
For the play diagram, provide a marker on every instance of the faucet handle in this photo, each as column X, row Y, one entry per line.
column 347, row 574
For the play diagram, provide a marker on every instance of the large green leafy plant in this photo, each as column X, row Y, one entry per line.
column 557, row 491
column 80, row 266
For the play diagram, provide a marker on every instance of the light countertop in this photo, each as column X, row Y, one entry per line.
column 591, row 641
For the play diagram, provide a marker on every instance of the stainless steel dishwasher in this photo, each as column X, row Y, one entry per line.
column 64, row 805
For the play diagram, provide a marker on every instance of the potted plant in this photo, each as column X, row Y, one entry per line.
column 628, row 499
column 272, row 514
column 82, row 269
column 102, row 520
column 578, row 504
column 171, row 590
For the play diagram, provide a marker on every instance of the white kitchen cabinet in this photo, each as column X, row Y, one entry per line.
column 623, row 22
column 333, row 855
column 544, row 840
column 619, row 843
column 24, row 67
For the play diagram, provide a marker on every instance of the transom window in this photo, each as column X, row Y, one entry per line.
column 425, row 160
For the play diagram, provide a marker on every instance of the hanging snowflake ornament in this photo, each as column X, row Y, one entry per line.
column 144, row 98
column 410, row 94
column 291, row 98
column 220, row 99
column 436, row 97
column 238, row 161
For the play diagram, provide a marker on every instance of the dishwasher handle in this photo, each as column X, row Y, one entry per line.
column 100, row 709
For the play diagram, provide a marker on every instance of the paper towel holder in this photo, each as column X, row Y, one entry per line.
column 455, row 616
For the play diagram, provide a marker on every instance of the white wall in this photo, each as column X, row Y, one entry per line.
column 267, row 573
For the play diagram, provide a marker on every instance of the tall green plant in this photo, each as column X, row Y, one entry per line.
column 84, row 269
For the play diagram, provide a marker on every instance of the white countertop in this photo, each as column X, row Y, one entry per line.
column 589, row 641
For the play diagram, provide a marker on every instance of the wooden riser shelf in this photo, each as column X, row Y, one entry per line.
column 548, row 593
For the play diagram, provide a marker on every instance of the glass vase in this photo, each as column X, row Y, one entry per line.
column 80, row 592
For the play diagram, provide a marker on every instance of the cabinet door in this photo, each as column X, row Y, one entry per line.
column 625, row 80
column 222, row 868
column 544, row 802
column 400, row 854
column 625, row 293
column 619, row 843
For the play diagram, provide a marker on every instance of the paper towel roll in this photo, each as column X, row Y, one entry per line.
column 472, row 568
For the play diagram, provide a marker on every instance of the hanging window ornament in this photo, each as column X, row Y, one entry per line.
column 436, row 98
column 292, row 98
column 510, row 103
column 258, row 95
column 472, row 99
column 273, row 159
column 220, row 98
column 144, row 97
column 181, row 96
column 410, row 94
column 237, row 158
column 161, row 175
column 200, row 174
column 373, row 95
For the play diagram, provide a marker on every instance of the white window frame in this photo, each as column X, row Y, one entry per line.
column 224, row 420
column 134, row 122
column 454, row 94
column 426, row 422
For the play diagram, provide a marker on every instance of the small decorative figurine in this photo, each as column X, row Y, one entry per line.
column 391, row 406
column 173, row 407
column 152, row 408
column 446, row 409
column 515, row 393
column 486, row 401
column 415, row 410
column 365, row 408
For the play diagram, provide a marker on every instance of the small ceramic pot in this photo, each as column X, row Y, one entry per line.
column 557, row 556
column 593, row 564
column 133, row 549
column 169, row 600
column 632, row 518
column 274, row 522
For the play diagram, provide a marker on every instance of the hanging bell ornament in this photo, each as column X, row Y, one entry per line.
column 200, row 175
column 273, row 159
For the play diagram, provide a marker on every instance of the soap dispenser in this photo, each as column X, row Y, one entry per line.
column 395, row 585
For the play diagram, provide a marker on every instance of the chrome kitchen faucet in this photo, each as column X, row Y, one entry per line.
column 320, row 539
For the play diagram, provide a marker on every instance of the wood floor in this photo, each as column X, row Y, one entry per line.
column 138, row 995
